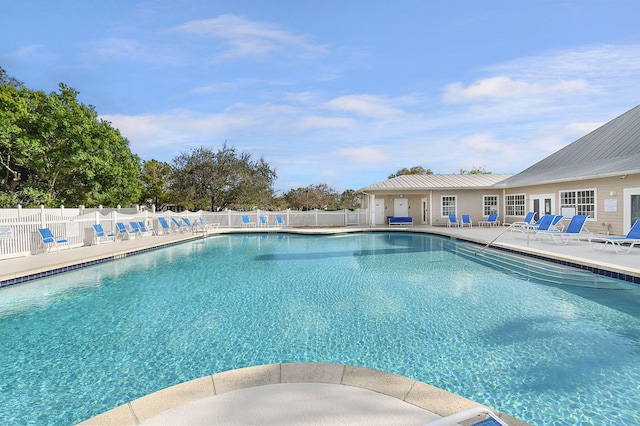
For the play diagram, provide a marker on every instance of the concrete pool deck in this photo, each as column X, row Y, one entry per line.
column 307, row 393
column 293, row 394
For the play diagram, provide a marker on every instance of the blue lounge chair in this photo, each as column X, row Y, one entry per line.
column 204, row 224
column 123, row 232
column 279, row 221
column 190, row 225
column 466, row 221
column 178, row 226
column 619, row 243
column 527, row 220
column 574, row 230
column 452, row 221
column 264, row 222
column 545, row 224
column 246, row 223
column 144, row 229
column 48, row 239
column 164, row 226
column 492, row 220
column 100, row 234
column 137, row 228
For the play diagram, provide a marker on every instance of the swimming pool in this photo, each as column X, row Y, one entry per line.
column 77, row 344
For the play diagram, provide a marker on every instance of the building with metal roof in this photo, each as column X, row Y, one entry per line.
column 597, row 175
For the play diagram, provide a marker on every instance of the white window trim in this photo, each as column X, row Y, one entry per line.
column 524, row 205
column 595, row 200
column 442, row 197
column 484, row 197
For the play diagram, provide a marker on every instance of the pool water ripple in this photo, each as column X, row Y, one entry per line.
column 81, row 343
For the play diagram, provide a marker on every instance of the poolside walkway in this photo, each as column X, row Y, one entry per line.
column 307, row 393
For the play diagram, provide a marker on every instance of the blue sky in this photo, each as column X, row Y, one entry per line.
column 339, row 92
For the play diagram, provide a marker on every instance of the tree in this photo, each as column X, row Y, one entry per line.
column 475, row 171
column 204, row 178
column 349, row 200
column 416, row 170
column 319, row 196
column 155, row 176
column 54, row 150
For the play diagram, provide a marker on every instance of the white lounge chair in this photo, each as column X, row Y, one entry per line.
column 48, row 239
column 246, row 223
column 452, row 221
column 100, row 234
column 164, row 225
column 492, row 220
column 526, row 222
column 123, row 232
column 575, row 230
column 619, row 243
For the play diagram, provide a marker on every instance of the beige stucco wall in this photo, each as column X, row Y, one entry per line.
column 471, row 202
column 611, row 188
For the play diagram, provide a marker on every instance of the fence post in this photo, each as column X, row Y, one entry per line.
column 42, row 219
column 316, row 212
column 114, row 220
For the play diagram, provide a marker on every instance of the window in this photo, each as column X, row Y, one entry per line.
column 489, row 204
column 514, row 205
column 448, row 205
column 584, row 201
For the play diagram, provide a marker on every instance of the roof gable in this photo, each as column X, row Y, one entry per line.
column 613, row 148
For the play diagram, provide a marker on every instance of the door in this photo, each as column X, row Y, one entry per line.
column 542, row 204
column 425, row 211
column 379, row 211
column 631, row 207
column 400, row 207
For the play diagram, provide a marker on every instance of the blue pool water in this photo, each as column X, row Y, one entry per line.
column 77, row 344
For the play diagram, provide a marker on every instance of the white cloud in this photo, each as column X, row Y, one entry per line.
column 320, row 122
column 25, row 52
column 368, row 106
column 121, row 49
column 502, row 87
column 365, row 155
column 242, row 38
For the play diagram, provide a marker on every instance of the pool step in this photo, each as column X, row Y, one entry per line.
column 533, row 269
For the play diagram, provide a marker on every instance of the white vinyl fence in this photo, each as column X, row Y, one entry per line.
column 19, row 227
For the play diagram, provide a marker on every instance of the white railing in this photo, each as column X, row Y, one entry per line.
column 19, row 227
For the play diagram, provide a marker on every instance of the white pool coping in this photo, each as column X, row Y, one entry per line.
column 293, row 394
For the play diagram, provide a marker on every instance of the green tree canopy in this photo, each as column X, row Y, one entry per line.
column 156, row 177
column 55, row 150
column 415, row 170
column 475, row 171
column 208, row 179
column 319, row 196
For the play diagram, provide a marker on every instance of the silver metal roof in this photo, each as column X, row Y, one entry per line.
column 612, row 149
column 422, row 182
